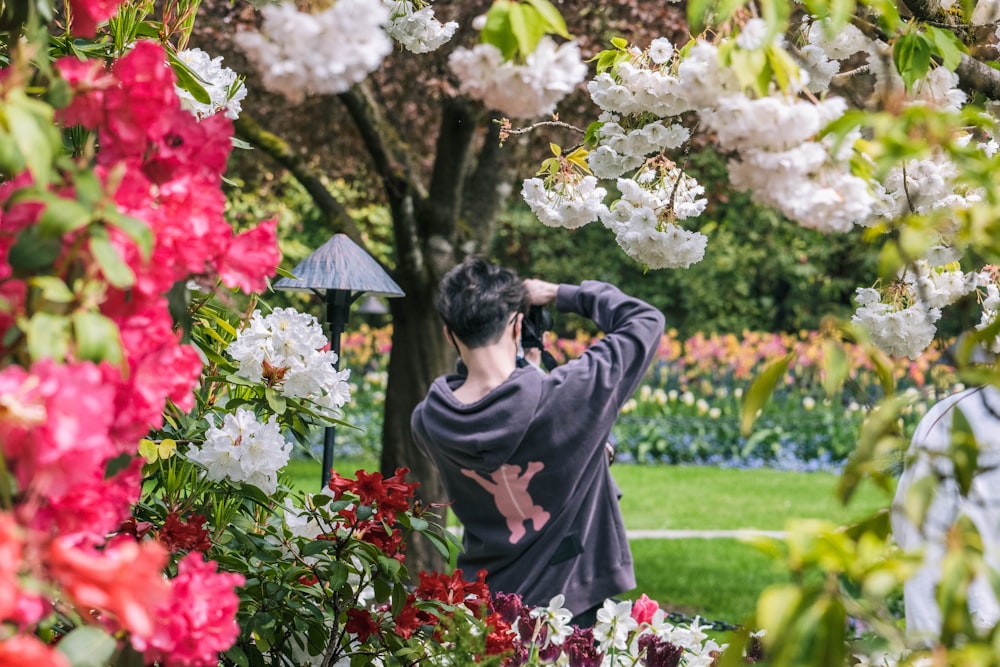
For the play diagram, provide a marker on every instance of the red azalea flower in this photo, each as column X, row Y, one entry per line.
column 361, row 624
column 499, row 640
column 409, row 618
column 339, row 485
column 177, row 535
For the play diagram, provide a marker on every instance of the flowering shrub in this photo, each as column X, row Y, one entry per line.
column 92, row 243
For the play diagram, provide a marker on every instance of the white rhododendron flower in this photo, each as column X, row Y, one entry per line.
column 286, row 350
column 519, row 90
column 323, row 53
column 418, row 31
column 225, row 89
column 568, row 204
column 244, row 450
column 898, row 330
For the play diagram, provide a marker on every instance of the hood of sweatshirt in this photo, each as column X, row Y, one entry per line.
column 482, row 435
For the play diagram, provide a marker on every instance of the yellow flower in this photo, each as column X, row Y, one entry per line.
column 153, row 451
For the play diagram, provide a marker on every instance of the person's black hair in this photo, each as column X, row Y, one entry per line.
column 477, row 299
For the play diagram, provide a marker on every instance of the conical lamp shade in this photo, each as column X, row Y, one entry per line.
column 340, row 264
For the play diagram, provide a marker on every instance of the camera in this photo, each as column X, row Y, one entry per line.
column 534, row 325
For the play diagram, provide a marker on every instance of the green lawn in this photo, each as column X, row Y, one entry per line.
column 718, row 578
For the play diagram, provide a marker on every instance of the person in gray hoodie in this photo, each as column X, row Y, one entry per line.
column 522, row 453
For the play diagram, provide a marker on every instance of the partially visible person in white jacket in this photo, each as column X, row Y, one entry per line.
column 927, row 457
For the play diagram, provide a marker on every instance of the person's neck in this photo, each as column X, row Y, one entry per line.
column 488, row 367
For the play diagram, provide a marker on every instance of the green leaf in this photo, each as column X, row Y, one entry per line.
column 48, row 336
column 88, row 646
column 760, row 391
column 912, row 56
column 963, row 452
column 52, row 289
column 188, row 80
column 97, row 338
column 527, row 26
column 137, row 230
column 275, row 400
column 947, row 45
column 553, row 21
column 61, row 216
column 497, row 30
column 114, row 268
column 888, row 14
column 31, row 126
column 31, row 252
column 835, row 367
column 317, row 547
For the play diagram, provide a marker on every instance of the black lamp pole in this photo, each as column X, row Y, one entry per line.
column 340, row 271
column 338, row 309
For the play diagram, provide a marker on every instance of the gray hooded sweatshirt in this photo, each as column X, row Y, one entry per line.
column 526, row 467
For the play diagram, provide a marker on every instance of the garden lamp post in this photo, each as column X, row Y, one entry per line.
column 340, row 271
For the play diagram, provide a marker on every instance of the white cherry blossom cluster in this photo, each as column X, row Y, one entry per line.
column 938, row 281
column 225, row 89
column 416, row 28
column 920, row 186
column 644, row 219
column 244, row 450
column 299, row 53
column 519, row 90
column 286, row 351
column 569, row 202
column 991, row 306
column 900, row 327
column 638, row 95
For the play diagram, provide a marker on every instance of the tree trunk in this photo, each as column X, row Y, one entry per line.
column 419, row 354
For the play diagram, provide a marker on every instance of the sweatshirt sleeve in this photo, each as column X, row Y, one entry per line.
column 613, row 367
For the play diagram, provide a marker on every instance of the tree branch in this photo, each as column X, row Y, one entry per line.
column 451, row 159
column 387, row 149
column 973, row 74
column 279, row 150
column 483, row 195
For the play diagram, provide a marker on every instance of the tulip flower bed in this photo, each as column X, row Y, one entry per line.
column 688, row 410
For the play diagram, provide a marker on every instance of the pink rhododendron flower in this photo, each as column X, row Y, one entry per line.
column 124, row 580
column 251, row 257
column 88, row 79
column 134, row 110
column 198, row 621
column 159, row 366
column 191, row 145
column 21, row 650
column 95, row 507
column 87, row 14
column 54, row 423
column 11, row 547
column 643, row 609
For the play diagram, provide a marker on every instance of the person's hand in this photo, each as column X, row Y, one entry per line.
column 540, row 292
